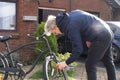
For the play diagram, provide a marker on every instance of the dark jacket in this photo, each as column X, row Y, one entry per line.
column 80, row 26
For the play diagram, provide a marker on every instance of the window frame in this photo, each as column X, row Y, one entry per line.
column 11, row 1
column 44, row 17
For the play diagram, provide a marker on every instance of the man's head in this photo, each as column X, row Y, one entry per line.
column 50, row 26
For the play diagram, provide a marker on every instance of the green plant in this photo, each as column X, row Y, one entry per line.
column 64, row 57
column 52, row 39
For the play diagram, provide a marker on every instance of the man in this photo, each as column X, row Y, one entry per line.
column 80, row 26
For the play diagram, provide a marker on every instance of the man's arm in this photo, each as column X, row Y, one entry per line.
column 77, row 45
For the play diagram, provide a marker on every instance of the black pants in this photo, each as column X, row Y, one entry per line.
column 100, row 50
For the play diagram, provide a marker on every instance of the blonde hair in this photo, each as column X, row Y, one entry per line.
column 50, row 24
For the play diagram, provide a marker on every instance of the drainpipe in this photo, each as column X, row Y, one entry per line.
column 113, row 13
column 70, row 5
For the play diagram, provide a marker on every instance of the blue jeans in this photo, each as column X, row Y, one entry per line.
column 100, row 50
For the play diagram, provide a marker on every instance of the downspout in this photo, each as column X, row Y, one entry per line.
column 70, row 5
column 113, row 13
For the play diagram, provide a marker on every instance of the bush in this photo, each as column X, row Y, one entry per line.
column 52, row 39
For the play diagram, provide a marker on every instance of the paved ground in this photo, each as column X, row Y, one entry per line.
column 80, row 73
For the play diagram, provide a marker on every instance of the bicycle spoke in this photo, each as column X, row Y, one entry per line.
column 53, row 73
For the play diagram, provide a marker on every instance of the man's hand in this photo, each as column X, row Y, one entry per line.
column 61, row 65
column 88, row 43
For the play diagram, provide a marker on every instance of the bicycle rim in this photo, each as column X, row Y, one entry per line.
column 2, row 73
column 51, row 73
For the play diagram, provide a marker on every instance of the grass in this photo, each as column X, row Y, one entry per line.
column 37, row 75
column 70, row 74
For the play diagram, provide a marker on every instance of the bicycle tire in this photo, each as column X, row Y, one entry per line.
column 3, row 64
column 50, row 72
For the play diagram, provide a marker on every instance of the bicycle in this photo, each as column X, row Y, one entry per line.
column 16, row 72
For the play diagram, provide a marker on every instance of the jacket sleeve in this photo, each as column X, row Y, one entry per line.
column 77, row 45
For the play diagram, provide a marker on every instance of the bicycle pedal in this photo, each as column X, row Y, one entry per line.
column 19, row 65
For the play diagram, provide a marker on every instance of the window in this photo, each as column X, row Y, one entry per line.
column 7, row 15
column 44, row 12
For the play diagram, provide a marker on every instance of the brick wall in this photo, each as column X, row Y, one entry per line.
column 24, row 8
column 91, row 5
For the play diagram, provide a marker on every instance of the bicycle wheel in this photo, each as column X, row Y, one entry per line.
column 50, row 72
column 3, row 73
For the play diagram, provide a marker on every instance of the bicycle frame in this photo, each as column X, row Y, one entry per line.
column 9, row 53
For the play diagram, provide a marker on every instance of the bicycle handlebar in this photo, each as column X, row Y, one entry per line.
column 36, row 37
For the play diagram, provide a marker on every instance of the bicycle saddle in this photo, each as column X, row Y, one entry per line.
column 4, row 38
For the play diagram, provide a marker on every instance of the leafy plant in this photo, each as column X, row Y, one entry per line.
column 64, row 57
column 52, row 39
